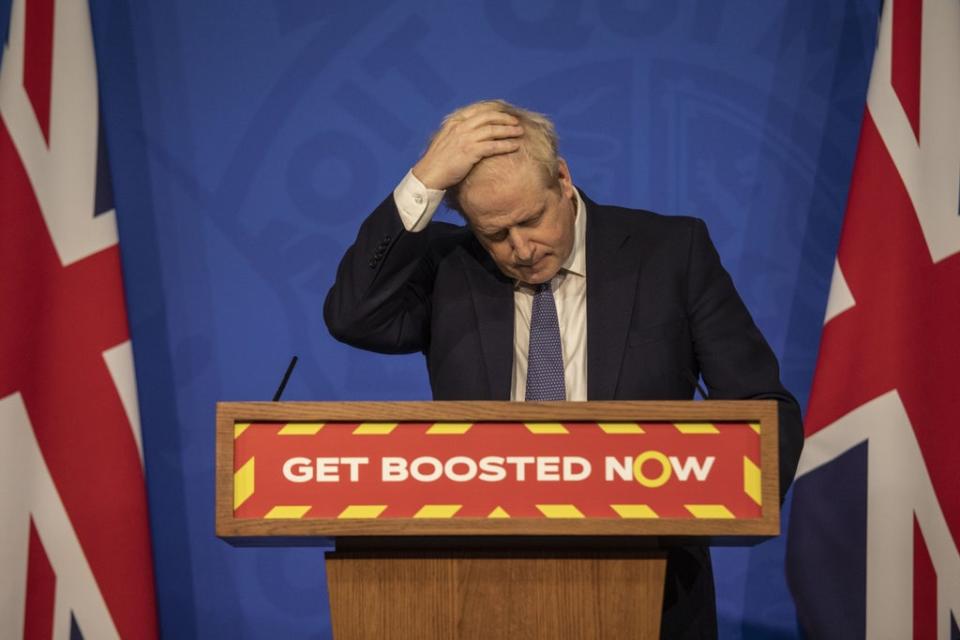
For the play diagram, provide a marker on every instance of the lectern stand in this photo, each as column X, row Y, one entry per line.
column 548, row 592
column 497, row 519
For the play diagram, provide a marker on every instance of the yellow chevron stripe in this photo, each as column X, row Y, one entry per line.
column 696, row 428
column 287, row 511
column 751, row 480
column 541, row 428
column 239, row 428
column 559, row 511
column 437, row 511
column 634, row 511
column 243, row 483
column 714, row 511
column 755, row 426
column 449, row 428
column 301, row 429
column 499, row 512
column 375, row 429
column 613, row 428
column 363, row 511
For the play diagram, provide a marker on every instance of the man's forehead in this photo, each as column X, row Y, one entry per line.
column 498, row 206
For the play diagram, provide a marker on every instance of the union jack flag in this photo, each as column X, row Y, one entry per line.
column 872, row 548
column 74, row 538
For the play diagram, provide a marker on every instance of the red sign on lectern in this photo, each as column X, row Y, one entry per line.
column 533, row 470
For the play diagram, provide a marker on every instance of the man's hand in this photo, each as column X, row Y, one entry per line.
column 464, row 141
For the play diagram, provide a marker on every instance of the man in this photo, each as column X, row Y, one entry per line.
column 547, row 295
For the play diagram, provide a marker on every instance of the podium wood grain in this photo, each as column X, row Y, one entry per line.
column 495, row 595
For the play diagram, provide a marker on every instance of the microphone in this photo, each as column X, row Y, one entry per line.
column 286, row 377
column 696, row 383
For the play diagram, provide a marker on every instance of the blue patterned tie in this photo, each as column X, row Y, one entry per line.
column 545, row 356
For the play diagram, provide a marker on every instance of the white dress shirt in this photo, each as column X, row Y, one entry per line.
column 417, row 204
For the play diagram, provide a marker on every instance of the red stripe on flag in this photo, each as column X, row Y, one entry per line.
column 41, row 590
column 51, row 350
column 905, row 64
column 38, row 60
column 924, row 589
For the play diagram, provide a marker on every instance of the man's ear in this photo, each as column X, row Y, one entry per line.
column 563, row 177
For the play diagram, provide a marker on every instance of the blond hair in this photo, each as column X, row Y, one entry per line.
column 538, row 144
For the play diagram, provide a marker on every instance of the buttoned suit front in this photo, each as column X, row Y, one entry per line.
column 661, row 310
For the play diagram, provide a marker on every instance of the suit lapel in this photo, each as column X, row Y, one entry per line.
column 613, row 265
column 492, row 294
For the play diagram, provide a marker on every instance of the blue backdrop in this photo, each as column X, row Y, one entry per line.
column 248, row 139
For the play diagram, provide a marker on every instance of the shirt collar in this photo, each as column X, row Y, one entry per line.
column 576, row 262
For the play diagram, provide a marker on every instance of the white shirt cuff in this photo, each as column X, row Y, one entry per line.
column 415, row 202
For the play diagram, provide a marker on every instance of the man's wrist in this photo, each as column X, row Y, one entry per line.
column 416, row 202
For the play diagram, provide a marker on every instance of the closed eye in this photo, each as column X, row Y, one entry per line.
column 530, row 221
column 533, row 220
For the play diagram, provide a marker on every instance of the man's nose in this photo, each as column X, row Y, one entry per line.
column 522, row 248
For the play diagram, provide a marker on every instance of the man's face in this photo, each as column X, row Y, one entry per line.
column 525, row 225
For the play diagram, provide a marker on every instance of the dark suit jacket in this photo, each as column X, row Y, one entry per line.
column 661, row 310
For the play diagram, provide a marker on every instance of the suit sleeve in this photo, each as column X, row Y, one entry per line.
column 380, row 300
column 735, row 360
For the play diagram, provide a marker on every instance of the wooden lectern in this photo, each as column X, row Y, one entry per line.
column 497, row 519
